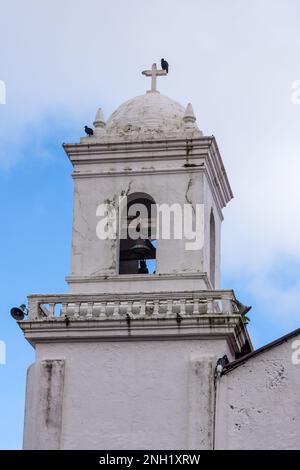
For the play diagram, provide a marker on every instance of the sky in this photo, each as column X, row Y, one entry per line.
column 236, row 61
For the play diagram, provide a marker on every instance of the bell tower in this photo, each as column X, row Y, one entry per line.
column 151, row 153
column 126, row 359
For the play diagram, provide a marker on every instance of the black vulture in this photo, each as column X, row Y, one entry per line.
column 164, row 65
column 88, row 131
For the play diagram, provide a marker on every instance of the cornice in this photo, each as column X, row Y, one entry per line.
column 201, row 327
column 99, row 148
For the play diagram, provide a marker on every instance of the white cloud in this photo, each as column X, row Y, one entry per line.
column 235, row 61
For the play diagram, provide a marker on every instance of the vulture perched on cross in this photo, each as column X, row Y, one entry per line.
column 164, row 65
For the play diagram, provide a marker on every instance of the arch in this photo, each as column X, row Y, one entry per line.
column 137, row 234
column 212, row 249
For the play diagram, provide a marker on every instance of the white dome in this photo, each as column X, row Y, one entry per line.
column 151, row 113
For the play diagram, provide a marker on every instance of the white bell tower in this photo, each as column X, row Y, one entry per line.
column 127, row 358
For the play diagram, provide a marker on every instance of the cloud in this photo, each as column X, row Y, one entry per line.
column 234, row 61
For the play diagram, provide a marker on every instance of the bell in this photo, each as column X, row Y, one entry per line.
column 18, row 313
column 141, row 249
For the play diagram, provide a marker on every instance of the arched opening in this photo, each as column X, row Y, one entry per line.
column 212, row 249
column 137, row 235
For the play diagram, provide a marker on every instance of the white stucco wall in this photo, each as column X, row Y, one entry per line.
column 258, row 404
column 92, row 256
column 134, row 394
column 174, row 172
column 210, row 205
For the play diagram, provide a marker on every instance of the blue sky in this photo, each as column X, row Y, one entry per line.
column 235, row 61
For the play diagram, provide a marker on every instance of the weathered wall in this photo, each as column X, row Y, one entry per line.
column 210, row 205
column 133, row 394
column 43, row 413
column 258, row 404
column 92, row 256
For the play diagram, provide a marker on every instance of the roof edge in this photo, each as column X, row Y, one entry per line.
column 233, row 365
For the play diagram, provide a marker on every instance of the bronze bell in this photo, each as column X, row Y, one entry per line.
column 142, row 249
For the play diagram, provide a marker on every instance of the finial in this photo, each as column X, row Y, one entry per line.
column 99, row 119
column 189, row 116
column 154, row 73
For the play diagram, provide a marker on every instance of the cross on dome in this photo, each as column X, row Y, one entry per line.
column 153, row 73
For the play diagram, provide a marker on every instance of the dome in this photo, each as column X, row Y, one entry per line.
column 152, row 113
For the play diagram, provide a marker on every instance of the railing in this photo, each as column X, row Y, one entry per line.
column 131, row 306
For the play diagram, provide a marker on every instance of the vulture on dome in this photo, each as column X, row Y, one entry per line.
column 147, row 117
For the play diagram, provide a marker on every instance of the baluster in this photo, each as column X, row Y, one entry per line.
column 103, row 310
column 89, row 313
column 129, row 308
column 142, row 308
column 63, row 310
column 52, row 310
column 196, row 306
column 210, row 306
column 116, row 309
column 149, row 308
column 122, row 309
column 77, row 310
column 176, row 304
column 182, row 307
column 155, row 310
column 169, row 308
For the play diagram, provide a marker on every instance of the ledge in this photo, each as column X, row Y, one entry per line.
column 135, row 277
column 200, row 314
column 201, row 327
